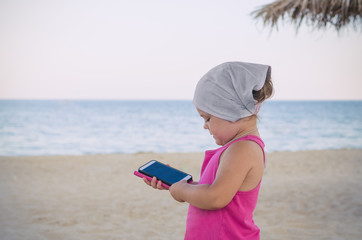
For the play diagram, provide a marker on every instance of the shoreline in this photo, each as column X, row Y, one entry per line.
column 166, row 153
column 312, row 194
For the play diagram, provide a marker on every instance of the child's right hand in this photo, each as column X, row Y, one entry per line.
column 154, row 183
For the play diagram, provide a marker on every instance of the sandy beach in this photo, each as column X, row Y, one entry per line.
column 304, row 195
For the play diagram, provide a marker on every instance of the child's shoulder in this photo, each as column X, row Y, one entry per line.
column 244, row 144
column 247, row 150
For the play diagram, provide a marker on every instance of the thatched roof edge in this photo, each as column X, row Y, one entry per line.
column 318, row 13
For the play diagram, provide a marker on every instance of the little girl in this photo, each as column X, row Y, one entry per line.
column 222, row 203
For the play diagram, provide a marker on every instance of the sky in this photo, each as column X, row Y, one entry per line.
column 159, row 49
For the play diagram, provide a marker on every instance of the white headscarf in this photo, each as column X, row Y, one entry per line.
column 226, row 91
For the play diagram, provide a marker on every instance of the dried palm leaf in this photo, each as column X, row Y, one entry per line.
column 318, row 13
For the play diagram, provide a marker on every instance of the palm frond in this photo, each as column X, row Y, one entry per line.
column 318, row 13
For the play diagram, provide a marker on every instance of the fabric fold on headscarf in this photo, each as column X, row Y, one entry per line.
column 226, row 91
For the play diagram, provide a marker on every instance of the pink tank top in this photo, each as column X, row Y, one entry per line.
column 235, row 221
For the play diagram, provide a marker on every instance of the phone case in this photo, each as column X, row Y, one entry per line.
column 141, row 175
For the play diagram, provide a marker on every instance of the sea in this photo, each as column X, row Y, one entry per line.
column 77, row 127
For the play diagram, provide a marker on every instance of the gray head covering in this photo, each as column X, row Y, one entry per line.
column 226, row 91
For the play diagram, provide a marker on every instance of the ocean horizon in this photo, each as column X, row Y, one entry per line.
column 77, row 127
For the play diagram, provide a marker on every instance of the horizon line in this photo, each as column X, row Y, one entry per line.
column 151, row 99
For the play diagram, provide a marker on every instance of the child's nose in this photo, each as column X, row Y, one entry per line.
column 206, row 126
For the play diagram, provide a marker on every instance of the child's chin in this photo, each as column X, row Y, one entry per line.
column 218, row 141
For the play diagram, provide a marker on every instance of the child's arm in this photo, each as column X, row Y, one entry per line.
column 241, row 160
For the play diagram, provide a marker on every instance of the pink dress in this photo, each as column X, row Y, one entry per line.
column 235, row 221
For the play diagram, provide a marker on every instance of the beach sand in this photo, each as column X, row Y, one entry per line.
column 304, row 195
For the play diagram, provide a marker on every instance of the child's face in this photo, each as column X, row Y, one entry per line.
column 222, row 130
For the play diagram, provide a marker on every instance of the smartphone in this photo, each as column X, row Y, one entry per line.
column 168, row 175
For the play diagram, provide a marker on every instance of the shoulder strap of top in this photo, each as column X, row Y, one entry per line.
column 249, row 137
column 257, row 140
column 253, row 138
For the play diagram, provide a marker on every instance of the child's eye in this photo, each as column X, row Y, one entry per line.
column 206, row 118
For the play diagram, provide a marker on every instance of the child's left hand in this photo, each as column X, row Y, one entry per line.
column 154, row 183
column 176, row 190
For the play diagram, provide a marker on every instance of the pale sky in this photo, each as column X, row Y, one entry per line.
column 159, row 49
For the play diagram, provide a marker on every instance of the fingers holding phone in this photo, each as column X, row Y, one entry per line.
column 154, row 183
column 161, row 176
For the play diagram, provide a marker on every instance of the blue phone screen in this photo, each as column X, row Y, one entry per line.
column 166, row 174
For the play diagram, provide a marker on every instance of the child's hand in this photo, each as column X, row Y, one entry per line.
column 154, row 183
column 176, row 190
